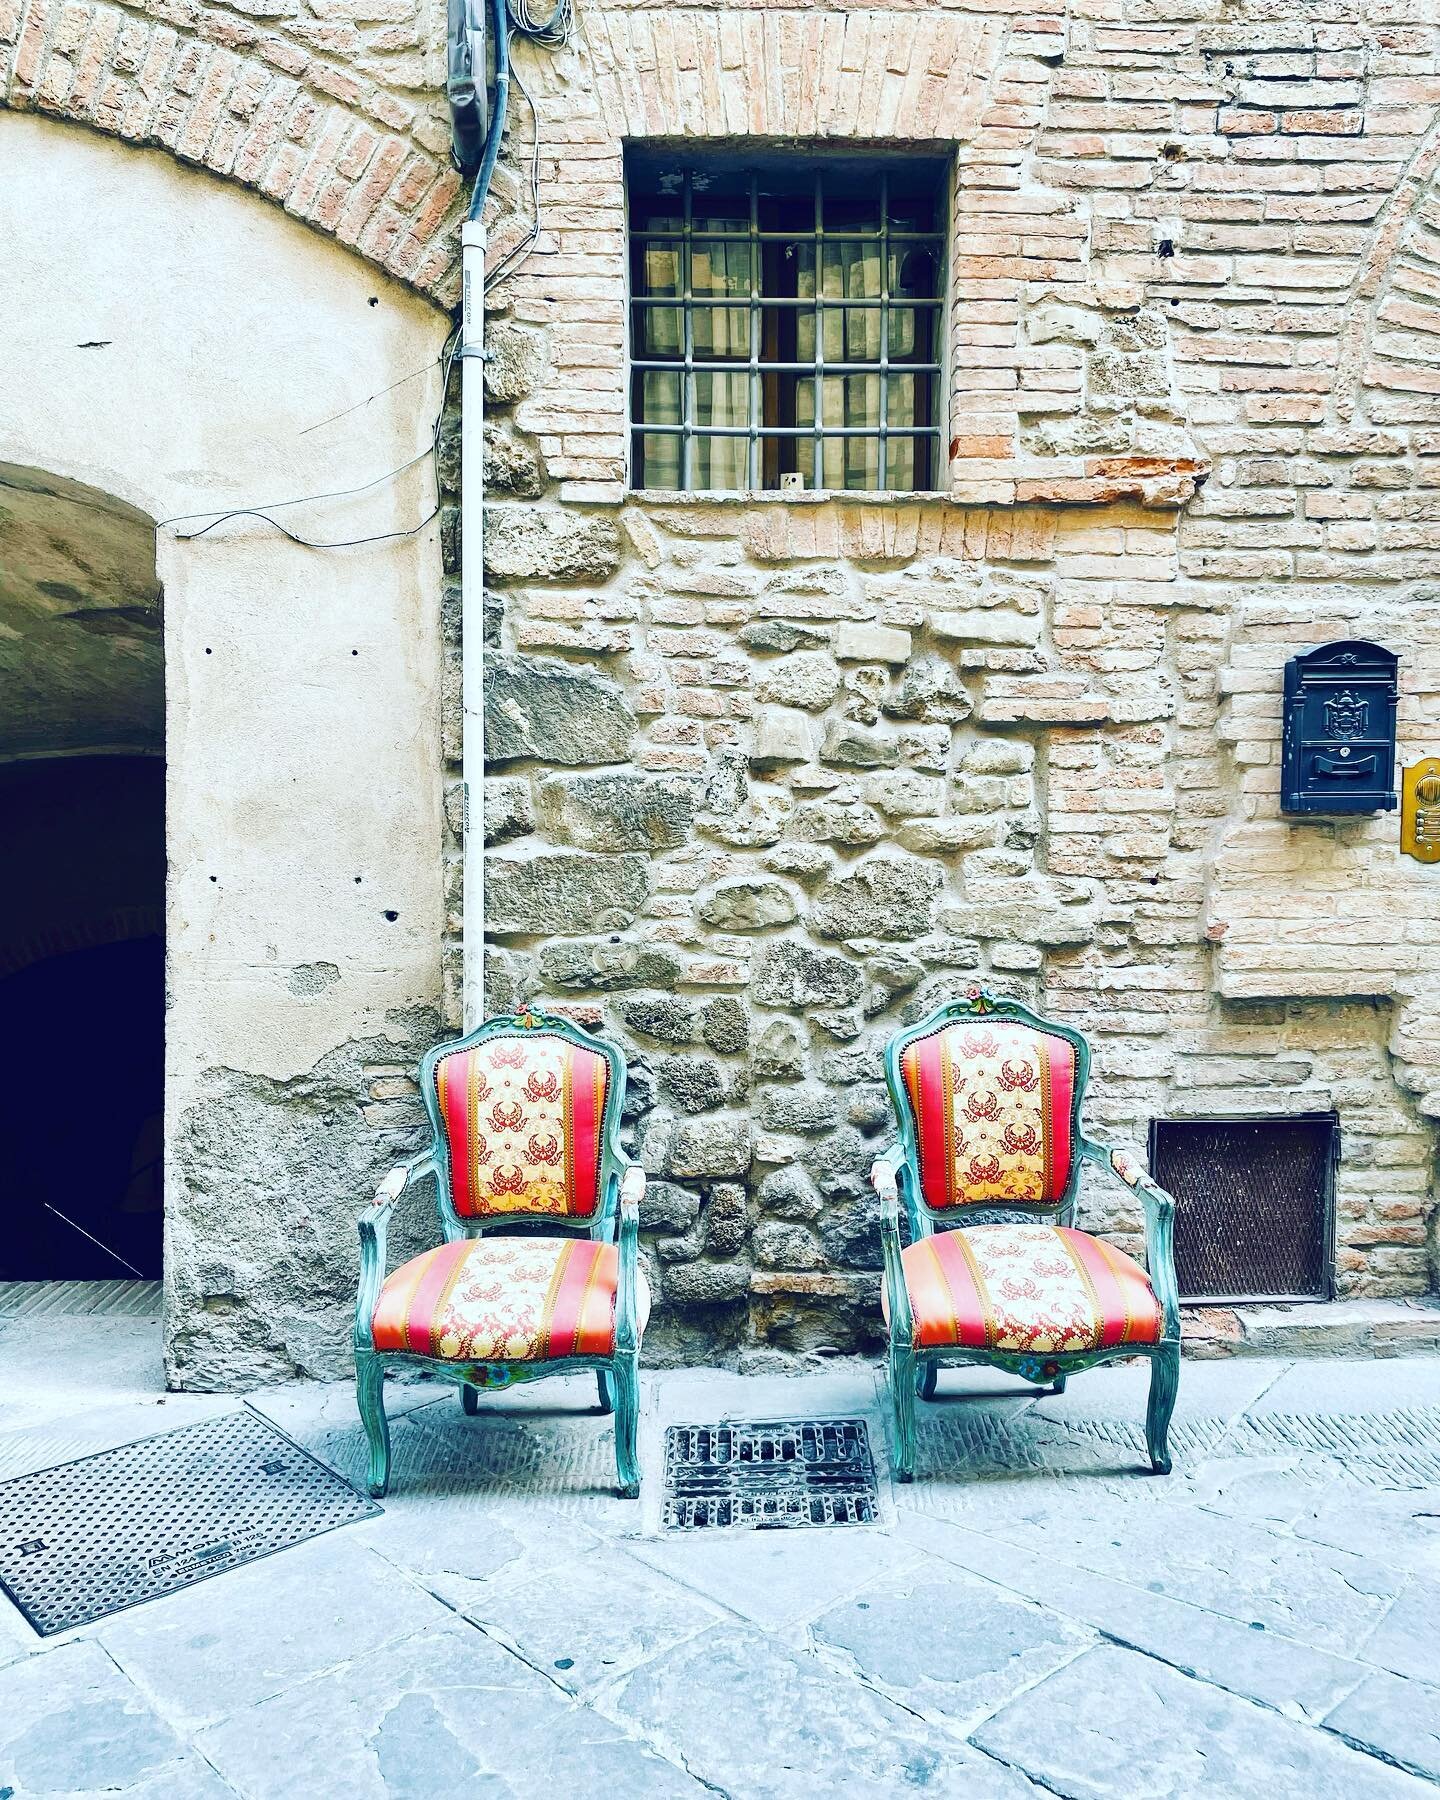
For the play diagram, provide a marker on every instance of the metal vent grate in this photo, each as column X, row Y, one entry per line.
column 770, row 1473
column 89, row 1538
column 1253, row 1204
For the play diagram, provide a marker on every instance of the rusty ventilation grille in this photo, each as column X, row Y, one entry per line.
column 1254, row 1204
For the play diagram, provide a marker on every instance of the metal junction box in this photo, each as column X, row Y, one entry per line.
column 1339, row 744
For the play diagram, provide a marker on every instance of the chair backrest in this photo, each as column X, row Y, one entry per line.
column 988, row 1097
column 526, row 1112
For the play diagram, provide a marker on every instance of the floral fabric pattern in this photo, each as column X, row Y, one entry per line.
column 523, row 1118
column 991, row 1104
column 505, row 1300
column 1026, row 1289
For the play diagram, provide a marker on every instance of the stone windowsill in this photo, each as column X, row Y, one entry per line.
column 1162, row 482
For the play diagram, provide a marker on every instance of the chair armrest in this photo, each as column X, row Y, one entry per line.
column 885, row 1174
column 374, row 1226
column 1159, row 1207
column 632, row 1192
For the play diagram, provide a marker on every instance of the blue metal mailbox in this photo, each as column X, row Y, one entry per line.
column 1339, row 745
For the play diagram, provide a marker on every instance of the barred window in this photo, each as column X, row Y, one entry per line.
column 786, row 320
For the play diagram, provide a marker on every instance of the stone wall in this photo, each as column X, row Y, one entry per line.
column 771, row 777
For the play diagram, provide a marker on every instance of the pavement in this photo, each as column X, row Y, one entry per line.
column 1033, row 1616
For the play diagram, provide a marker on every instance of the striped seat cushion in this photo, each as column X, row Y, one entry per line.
column 1030, row 1289
column 513, row 1299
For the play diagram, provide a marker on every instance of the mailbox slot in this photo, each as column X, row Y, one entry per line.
column 1339, row 744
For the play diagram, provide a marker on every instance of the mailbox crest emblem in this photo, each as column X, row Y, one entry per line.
column 1347, row 716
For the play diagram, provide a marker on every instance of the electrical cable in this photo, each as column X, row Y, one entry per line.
column 516, row 254
column 265, row 510
column 522, row 18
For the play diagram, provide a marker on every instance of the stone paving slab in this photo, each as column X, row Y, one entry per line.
column 1395, row 1719
column 1114, row 1723
column 591, row 1619
column 948, row 1646
column 72, row 1723
column 1031, row 1616
column 228, row 1644
column 1256, row 1664
column 751, row 1716
column 448, row 1712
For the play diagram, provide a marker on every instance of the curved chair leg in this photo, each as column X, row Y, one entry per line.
column 625, row 1378
column 470, row 1400
column 902, row 1397
column 1164, row 1386
column 370, row 1396
column 927, row 1379
column 1058, row 1385
column 606, row 1388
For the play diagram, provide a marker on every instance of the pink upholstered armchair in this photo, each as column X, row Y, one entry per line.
column 988, row 1099
column 538, row 1273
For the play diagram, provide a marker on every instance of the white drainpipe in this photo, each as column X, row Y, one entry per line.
column 472, row 614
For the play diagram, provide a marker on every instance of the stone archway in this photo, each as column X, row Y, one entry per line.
column 183, row 346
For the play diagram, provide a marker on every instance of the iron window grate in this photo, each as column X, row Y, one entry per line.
column 1254, row 1204
column 769, row 1474
column 85, row 1539
column 786, row 321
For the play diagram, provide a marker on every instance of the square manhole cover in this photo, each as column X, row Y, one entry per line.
column 93, row 1537
column 764, row 1474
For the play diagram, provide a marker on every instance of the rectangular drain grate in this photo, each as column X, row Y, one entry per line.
column 89, row 1538
column 769, row 1473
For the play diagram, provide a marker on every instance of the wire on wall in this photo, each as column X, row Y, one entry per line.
column 551, row 28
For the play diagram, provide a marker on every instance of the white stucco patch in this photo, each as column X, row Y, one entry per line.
column 302, row 686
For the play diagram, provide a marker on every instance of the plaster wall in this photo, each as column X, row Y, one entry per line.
column 185, row 347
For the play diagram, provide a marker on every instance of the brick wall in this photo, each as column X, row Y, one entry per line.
column 334, row 111
column 824, row 759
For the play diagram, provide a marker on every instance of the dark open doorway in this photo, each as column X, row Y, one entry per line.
column 82, row 825
column 82, row 1059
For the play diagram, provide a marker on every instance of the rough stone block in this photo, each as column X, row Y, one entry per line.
column 668, row 1207
column 512, row 464
column 855, row 748
column 555, row 712
column 791, row 974
column 855, row 641
column 514, row 362
column 837, row 822
column 725, row 1025
column 808, row 679
column 546, row 543
column 603, row 964
column 718, row 1145
column 749, row 903
column 779, row 1051
column 555, row 891
column 986, row 625
column 508, row 810
column 779, row 1244
column 789, row 1193
column 692, row 1083
column 888, row 895
column 782, row 736
column 620, row 810
column 707, row 1284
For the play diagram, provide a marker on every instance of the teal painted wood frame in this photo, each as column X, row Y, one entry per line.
column 620, row 1189
column 896, row 1175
